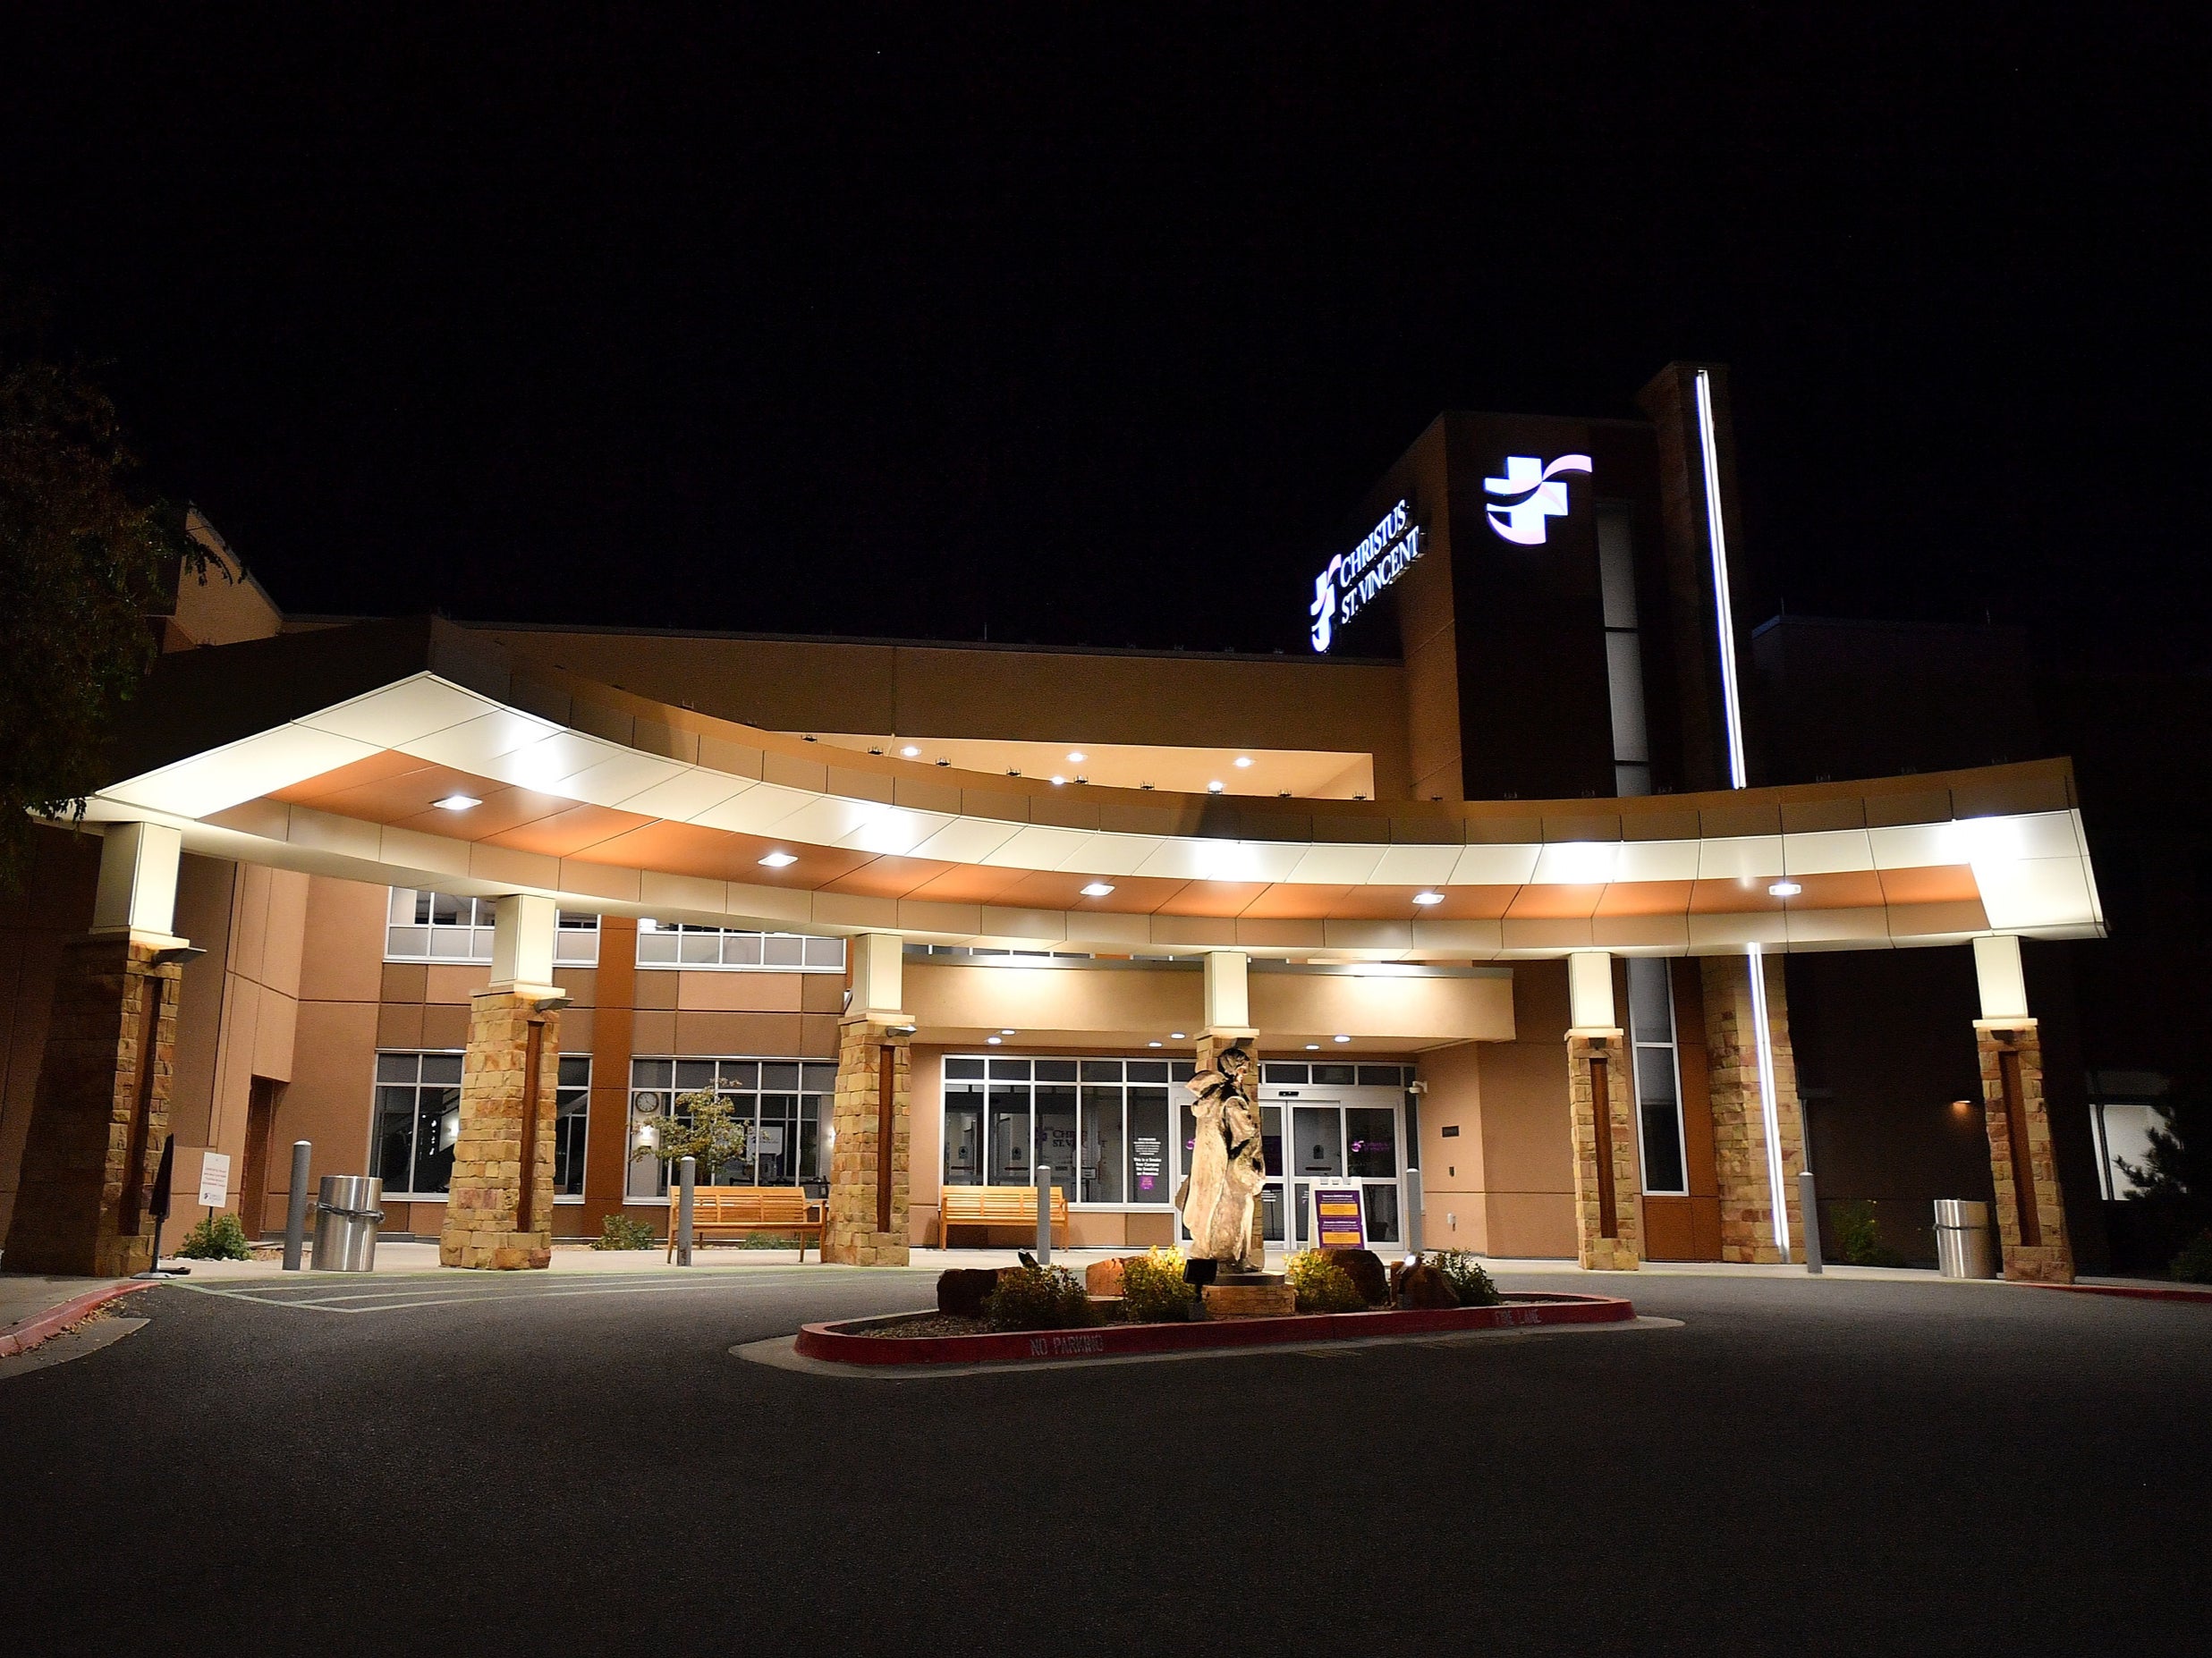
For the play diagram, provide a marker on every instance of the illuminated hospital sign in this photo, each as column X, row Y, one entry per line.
column 1353, row 579
column 1530, row 492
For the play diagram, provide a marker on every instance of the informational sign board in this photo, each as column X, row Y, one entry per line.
column 1148, row 1157
column 1337, row 1222
column 214, row 1179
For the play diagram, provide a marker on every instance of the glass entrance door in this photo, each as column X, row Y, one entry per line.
column 1336, row 1143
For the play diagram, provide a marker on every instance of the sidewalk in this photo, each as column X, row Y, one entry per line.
column 34, row 1307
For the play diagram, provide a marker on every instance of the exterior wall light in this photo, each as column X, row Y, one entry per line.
column 456, row 803
column 1428, row 898
column 1215, row 787
column 778, row 860
column 1785, row 889
column 1097, row 889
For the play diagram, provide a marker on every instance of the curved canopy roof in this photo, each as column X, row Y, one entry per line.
column 327, row 751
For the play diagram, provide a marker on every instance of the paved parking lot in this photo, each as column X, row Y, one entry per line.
column 584, row 1467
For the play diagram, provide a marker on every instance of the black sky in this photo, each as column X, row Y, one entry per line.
column 1091, row 325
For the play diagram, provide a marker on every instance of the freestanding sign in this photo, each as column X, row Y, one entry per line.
column 214, row 1179
column 1337, row 1220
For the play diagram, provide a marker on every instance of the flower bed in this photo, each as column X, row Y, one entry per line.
column 890, row 1341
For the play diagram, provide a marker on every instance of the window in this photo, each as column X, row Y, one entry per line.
column 1624, row 671
column 786, row 1103
column 683, row 944
column 1657, row 1080
column 417, row 1120
column 423, row 926
column 570, row 1115
column 1336, row 1076
column 1101, row 1125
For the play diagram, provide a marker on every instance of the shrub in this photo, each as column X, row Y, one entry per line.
column 1322, row 1286
column 217, row 1238
column 1037, row 1297
column 2193, row 1266
column 1153, row 1291
column 1468, row 1279
column 624, row 1231
column 1857, row 1238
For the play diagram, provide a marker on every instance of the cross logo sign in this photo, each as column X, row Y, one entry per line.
column 1531, row 496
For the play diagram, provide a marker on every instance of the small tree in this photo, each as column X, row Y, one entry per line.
column 86, row 555
column 700, row 1125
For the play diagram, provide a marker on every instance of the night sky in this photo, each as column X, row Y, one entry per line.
column 1078, row 327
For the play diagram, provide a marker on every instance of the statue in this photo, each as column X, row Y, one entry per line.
column 1228, row 1167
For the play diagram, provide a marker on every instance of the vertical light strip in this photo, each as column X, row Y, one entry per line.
column 1731, row 698
column 1769, row 1111
column 1739, row 777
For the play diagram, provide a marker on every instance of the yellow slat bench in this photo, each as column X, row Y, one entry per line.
column 740, row 1209
column 998, row 1205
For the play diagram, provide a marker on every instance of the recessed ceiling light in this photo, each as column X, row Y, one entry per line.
column 1058, row 780
column 1176, row 1035
column 1215, row 787
column 1006, row 1031
column 909, row 751
column 1428, row 898
column 994, row 1041
column 457, row 802
column 1243, row 759
column 1785, row 889
column 778, row 860
column 1313, row 1047
column 1341, row 1038
column 1076, row 756
column 1152, row 1044
column 1097, row 889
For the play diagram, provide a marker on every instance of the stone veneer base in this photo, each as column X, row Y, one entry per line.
column 850, row 1343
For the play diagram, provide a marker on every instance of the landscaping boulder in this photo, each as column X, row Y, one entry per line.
column 1365, row 1268
column 961, row 1291
column 1422, row 1285
column 1105, row 1277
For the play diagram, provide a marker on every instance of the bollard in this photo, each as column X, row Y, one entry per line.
column 295, row 1207
column 1412, row 1211
column 1808, row 1204
column 1043, row 1212
column 688, row 1177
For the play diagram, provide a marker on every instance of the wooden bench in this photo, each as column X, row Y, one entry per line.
column 999, row 1206
column 736, row 1210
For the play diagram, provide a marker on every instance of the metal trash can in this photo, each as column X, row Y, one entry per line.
column 347, row 1214
column 1963, row 1246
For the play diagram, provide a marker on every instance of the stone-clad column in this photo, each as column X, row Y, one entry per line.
column 99, row 1114
column 1747, row 1229
column 1608, row 1220
column 2032, row 1209
column 499, row 1208
column 868, row 1159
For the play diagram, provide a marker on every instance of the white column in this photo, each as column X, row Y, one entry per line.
column 522, row 930
column 1996, row 969
column 1228, row 993
column 879, row 979
column 1589, row 992
column 138, row 883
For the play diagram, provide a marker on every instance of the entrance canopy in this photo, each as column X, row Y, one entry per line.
column 416, row 754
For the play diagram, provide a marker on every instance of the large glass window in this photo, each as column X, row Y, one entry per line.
column 423, row 926
column 1658, row 1082
column 686, row 944
column 1101, row 1124
column 784, row 1103
column 417, row 1120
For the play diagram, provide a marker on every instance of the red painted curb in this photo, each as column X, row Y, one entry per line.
column 24, row 1334
column 845, row 1343
column 2137, row 1292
